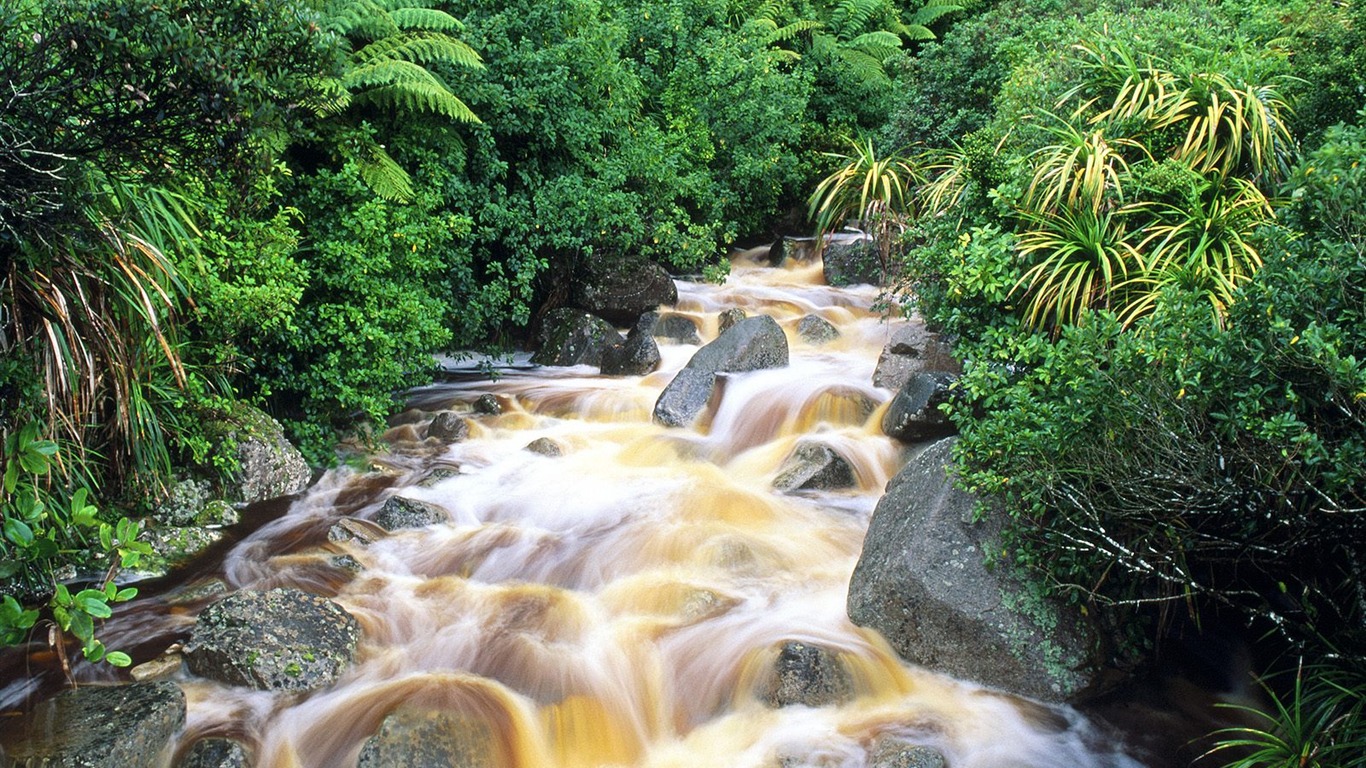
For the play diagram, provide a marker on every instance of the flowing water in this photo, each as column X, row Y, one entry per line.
column 623, row 603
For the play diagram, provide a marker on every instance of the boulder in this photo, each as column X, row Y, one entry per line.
column 425, row 739
column 102, row 726
column 545, row 447
column 636, row 356
column 852, row 260
column 913, row 348
column 891, row 752
column 353, row 529
column 448, row 427
column 677, row 328
column 399, row 512
column 922, row 581
column 281, row 640
column 816, row 330
column 685, row 398
column 913, row 416
column 184, row 502
column 799, row 249
column 267, row 464
column 750, row 345
column 488, row 405
column 809, row 675
column 814, row 467
column 574, row 337
column 438, row 475
column 216, row 753
column 173, row 546
column 622, row 288
column 728, row 318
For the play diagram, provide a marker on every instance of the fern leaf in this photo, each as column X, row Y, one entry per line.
column 429, row 19
column 865, row 67
column 421, row 48
column 384, row 175
column 326, row 96
column 416, row 96
column 387, row 72
column 795, row 29
column 850, row 16
column 931, row 12
column 879, row 44
column 914, row 32
column 365, row 19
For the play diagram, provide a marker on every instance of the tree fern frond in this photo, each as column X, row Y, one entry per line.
column 419, row 96
column 914, row 31
column 850, row 16
column 428, row 19
column 359, row 18
column 326, row 96
column 382, row 72
column 879, row 44
column 796, row 28
column 865, row 67
column 384, row 175
column 931, row 12
column 421, row 48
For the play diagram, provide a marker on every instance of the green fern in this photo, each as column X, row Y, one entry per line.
column 385, row 176
column 418, row 97
column 850, row 17
column 420, row 48
column 428, row 19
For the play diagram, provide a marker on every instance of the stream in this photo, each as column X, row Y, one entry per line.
column 621, row 604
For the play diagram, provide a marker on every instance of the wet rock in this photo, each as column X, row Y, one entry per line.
column 852, row 260
column 281, row 640
column 621, row 288
column 814, row 466
column 160, row 668
column 809, row 675
column 353, row 529
column 676, row 328
column 636, row 356
column 574, row 337
column 216, row 753
column 448, row 427
column 752, row 344
column 183, row 503
column 268, row 465
column 912, row 349
column 488, row 405
column 922, row 582
column 800, row 249
column 119, row 726
column 545, row 447
column 438, row 475
column 345, row 564
column 914, row 416
column 816, row 330
column 175, row 546
column 729, row 318
column 685, row 398
column 890, row 752
column 423, row 739
column 399, row 512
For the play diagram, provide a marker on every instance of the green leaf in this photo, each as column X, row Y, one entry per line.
column 118, row 659
column 82, row 627
column 92, row 601
column 18, row 532
column 125, row 594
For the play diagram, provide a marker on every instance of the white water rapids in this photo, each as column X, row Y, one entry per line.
column 620, row 604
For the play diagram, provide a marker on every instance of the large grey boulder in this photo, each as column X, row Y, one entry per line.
column 621, row 288
column 813, row 466
column 815, row 329
column 750, row 345
column 922, row 582
column 268, row 465
column 914, row 416
column 401, row 512
column 913, row 348
column 216, row 753
column 636, row 356
column 852, row 260
column 808, row 675
column 281, row 640
column 574, row 337
column 97, row 726
column 426, row 739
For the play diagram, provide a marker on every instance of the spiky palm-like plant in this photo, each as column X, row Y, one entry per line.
column 874, row 189
column 390, row 45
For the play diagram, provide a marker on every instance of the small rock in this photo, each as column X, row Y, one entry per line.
column 422, row 739
column 890, row 752
column 172, row 547
column 636, row 356
column 345, row 563
column 448, row 427
column 219, row 513
column 216, row 753
column 357, row 530
column 184, row 503
column 268, row 465
column 912, row 349
column 685, row 398
column 676, row 328
column 281, row 640
column 160, row 668
column 814, row 466
column 816, row 330
column 545, row 446
column 914, row 416
column 488, row 405
column 438, row 475
column 808, row 675
column 103, row 726
column 401, row 512
column 729, row 318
